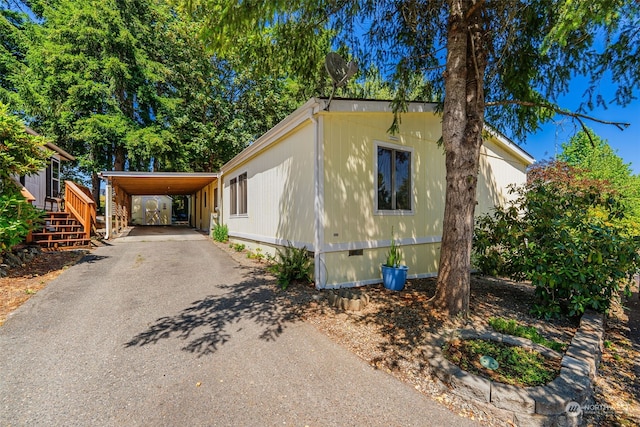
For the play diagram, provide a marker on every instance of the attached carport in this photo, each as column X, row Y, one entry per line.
column 121, row 186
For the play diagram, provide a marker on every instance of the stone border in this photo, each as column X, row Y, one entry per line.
column 348, row 299
column 18, row 257
column 530, row 406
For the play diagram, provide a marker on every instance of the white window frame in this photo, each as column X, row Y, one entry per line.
column 236, row 196
column 390, row 146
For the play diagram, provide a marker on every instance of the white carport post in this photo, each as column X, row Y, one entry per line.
column 108, row 207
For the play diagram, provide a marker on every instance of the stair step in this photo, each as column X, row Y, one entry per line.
column 58, row 214
column 56, row 233
column 64, row 244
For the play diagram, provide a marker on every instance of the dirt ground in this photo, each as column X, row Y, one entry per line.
column 389, row 333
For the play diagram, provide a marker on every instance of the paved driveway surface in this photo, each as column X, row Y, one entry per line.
column 176, row 333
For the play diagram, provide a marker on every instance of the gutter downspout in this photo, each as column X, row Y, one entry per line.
column 318, row 170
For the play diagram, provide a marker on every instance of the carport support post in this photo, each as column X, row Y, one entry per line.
column 108, row 207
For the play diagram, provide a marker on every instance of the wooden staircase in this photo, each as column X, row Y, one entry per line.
column 61, row 231
column 70, row 229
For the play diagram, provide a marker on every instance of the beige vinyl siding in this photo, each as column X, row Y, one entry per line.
column 280, row 191
column 498, row 169
column 204, row 204
column 350, row 141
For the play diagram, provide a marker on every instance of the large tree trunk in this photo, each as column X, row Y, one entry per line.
column 463, row 120
column 120, row 156
column 95, row 189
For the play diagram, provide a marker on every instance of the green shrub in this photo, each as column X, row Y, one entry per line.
column 257, row 254
column 292, row 264
column 17, row 218
column 20, row 154
column 511, row 327
column 238, row 247
column 220, row 233
column 567, row 240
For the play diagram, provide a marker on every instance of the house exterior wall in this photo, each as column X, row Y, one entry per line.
column 204, row 204
column 280, row 188
column 351, row 221
column 315, row 186
column 36, row 184
column 498, row 170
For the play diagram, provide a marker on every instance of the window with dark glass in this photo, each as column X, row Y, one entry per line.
column 238, row 195
column 394, row 179
column 52, row 183
column 242, row 194
column 233, row 196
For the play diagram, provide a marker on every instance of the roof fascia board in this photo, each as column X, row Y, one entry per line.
column 511, row 146
column 374, row 106
column 299, row 116
column 133, row 174
column 60, row 151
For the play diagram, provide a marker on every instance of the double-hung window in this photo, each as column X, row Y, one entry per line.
column 393, row 179
column 238, row 195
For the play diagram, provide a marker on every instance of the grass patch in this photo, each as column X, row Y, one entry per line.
column 517, row 365
column 511, row 327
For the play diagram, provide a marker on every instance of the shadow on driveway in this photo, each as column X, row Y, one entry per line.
column 204, row 324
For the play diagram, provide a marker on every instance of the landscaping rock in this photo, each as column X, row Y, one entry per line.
column 348, row 299
column 471, row 386
column 513, row 398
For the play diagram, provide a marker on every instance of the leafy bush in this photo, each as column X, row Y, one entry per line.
column 17, row 218
column 292, row 264
column 220, row 233
column 511, row 327
column 565, row 237
column 20, row 154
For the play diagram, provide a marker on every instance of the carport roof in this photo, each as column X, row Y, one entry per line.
column 155, row 183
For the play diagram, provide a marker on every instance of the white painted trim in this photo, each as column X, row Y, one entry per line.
column 269, row 240
column 396, row 147
column 368, row 282
column 375, row 244
column 289, row 123
column 108, row 197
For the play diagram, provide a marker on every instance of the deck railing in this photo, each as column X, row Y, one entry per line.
column 80, row 205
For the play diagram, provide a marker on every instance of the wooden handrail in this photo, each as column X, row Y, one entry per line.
column 80, row 205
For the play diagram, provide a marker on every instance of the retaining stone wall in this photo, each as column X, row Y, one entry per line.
column 16, row 258
column 530, row 406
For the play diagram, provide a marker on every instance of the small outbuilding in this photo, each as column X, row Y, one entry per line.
column 332, row 178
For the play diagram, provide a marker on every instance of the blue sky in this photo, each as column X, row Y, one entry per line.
column 547, row 142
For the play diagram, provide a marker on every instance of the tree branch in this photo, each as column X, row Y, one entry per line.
column 558, row 110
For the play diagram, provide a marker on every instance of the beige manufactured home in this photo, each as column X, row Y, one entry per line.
column 333, row 179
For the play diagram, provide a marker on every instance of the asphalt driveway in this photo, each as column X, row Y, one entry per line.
column 174, row 332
